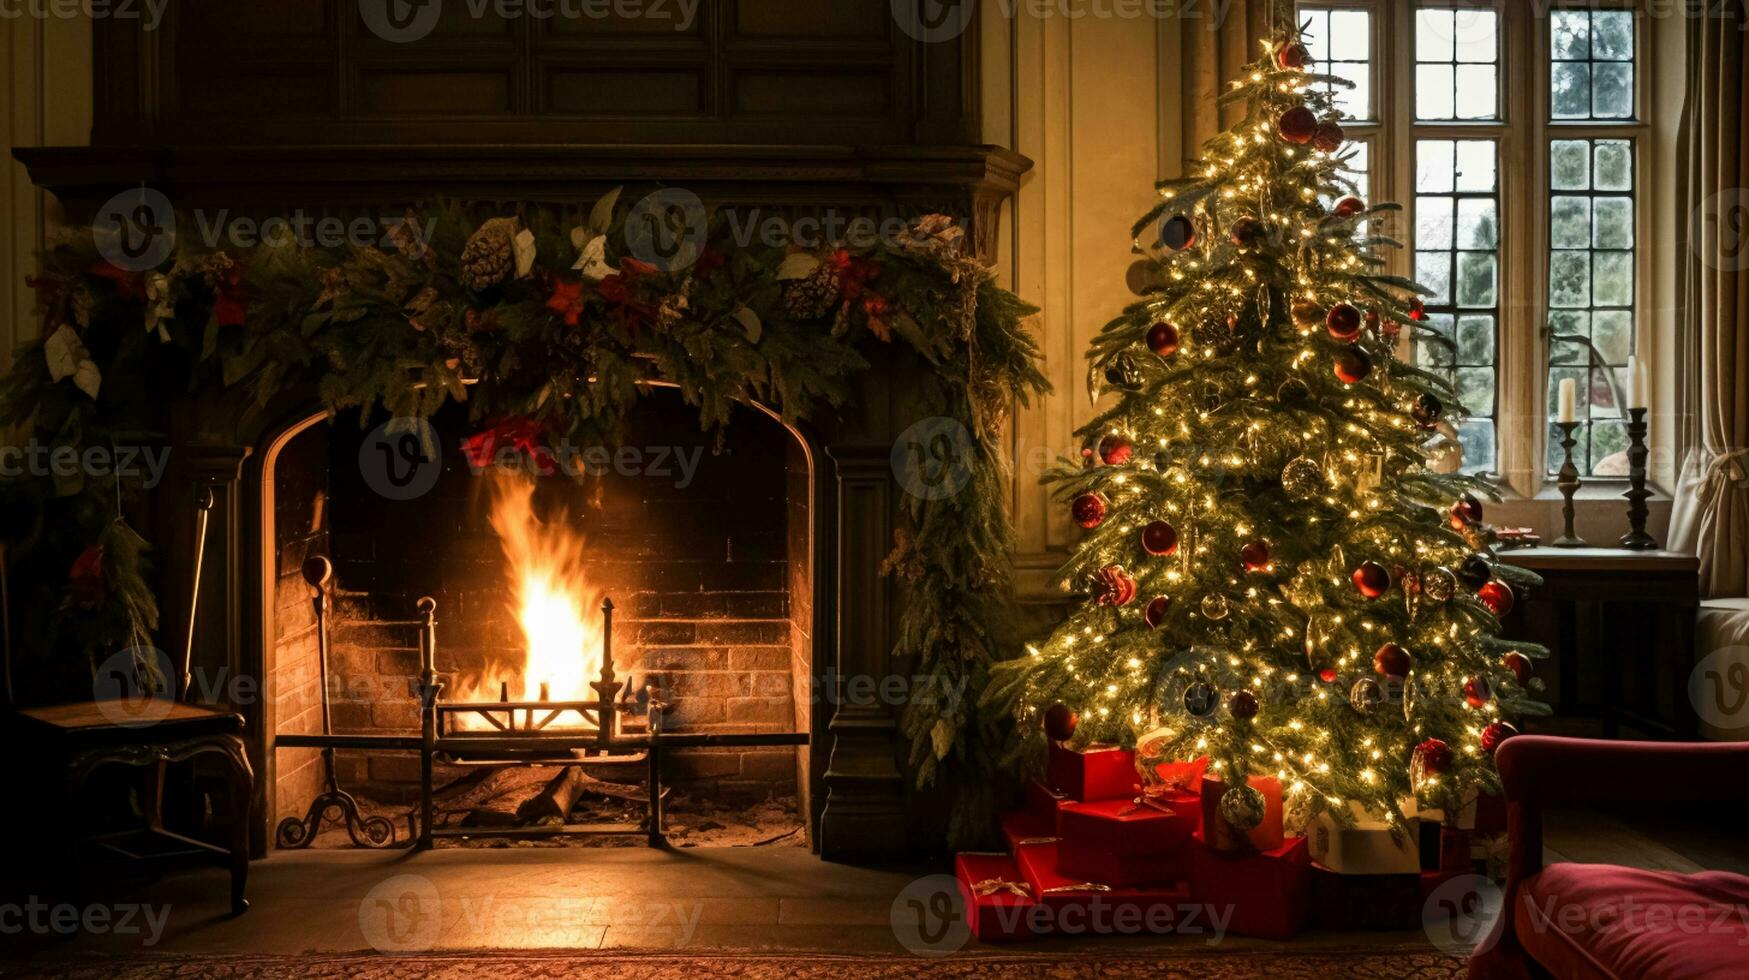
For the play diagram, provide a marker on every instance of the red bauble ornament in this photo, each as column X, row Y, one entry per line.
column 1523, row 669
column 1468, row 510
column 1060, row 722
column 1391, row 660
column 1327, row 137
column 1254, row 555
column 1348, row 207
column 1293, row 56
column 1242, row 704
column 1432, row 759
column 1245, row 231
column 1155, row 614
column 1494, row 734
column 85, row 580
column 1113, row 586
column 1297, row 125
column 1477, row 692
column 1372, row 579
column 1327, row 675
column 1497, row 596
column 1163, row 339
column 1115, row 450
column 1343, row 321
column 1352, row 365
column 1177, row 233
column 1417, row 309
column 1088, row 510
column 1159, row 538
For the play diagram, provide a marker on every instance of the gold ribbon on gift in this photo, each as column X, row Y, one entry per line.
column 990, row 886
column 1150, row 797
column 1035, row 840
column 1085, row 886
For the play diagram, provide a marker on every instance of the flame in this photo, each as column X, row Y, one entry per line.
column 550, row 595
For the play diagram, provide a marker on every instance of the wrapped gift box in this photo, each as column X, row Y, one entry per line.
column 1098, row 772
column 1367, row 901
column 1023, row 827
column 1264, row 891
column 1125, row 842
column 1044, row 803
column 1180, row 784
column 1073, row 906
column 1368, row 847
column 999, row 902
column 1223, row 836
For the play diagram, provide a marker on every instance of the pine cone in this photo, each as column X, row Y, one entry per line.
column 813, row 296
column 490, row 255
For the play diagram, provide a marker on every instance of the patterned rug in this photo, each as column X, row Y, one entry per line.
column 623, row 965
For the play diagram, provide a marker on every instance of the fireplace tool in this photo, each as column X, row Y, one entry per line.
column 334, row 803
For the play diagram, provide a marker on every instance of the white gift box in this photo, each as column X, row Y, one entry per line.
column 1367, row 847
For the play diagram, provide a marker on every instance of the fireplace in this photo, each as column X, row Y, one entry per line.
column 703, row 542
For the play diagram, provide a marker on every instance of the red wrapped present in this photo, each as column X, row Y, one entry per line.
column 1223, row 836
column 1098, row 772
column 1180, row 784
column 999, row 902
column 1023, row 827
column 1366, row 901
column 1265, row 891
column 1044, row 803
column 1072, row 906
column 1126, row 842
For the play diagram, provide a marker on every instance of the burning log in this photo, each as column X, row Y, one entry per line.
column 514, row 796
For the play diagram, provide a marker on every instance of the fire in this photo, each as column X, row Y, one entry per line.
column 558, row 610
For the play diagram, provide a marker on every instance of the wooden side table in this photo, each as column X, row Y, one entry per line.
column 1620, row 625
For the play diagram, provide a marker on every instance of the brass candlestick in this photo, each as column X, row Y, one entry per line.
column 1569, row 484
column 1637, row 538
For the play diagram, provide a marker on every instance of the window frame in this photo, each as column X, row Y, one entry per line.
column 1522, row 403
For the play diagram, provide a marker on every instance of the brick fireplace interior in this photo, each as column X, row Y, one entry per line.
column 705, row 546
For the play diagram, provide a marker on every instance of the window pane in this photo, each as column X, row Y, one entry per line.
column 1340, row 41
column 1456, row 64
column 1591, row 69
column 1457, row 233
column 1591, row 291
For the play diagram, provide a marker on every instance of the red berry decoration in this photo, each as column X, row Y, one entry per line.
column 1159, row 538
column 1163, row 339
column 1297, row 125
column 1390, row 329
column 1477, row 693
column 1327, row 137
column 1497, row 596
column 1348, row 207
column 1242, row 704
column 1521, row 666
column 1327, row 675
column 1417, row 309
column 1113, row 586
column 1254, row 555
column 1372, row 579
column 1155, row 614
column 1494, row 734
column 1177, row 233
column 1343, row 321
column 1115, row 450
column 1293, row 56
column 1431, row 760
column 1060, row 722
column 1088, row 510
column 1391, row 660
column 1352, row 365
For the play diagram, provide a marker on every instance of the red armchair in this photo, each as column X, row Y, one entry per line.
column 1599, row 920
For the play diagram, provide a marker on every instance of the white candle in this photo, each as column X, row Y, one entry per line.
column 1568, row 390
column 1638, row 389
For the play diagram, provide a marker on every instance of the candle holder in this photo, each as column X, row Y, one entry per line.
column 1569, row 484
column 1636, row 494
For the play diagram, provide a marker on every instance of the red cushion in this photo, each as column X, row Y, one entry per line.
column 1602, row 920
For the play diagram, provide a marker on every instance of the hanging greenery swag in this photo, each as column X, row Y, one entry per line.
column 542, row 323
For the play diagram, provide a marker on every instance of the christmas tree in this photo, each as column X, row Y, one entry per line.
column 1277, row 579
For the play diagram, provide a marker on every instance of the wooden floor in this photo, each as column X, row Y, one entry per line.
column 700, row 898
